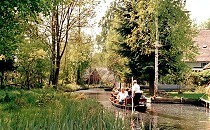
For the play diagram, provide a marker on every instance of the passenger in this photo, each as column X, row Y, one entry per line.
column 115, row 92
column 122, row 96
column 136, row 93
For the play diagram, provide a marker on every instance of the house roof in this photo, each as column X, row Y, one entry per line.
column 203, row 42
column 104, row 74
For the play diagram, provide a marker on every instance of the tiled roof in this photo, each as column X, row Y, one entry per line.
column 203, row 43
column 105, row 74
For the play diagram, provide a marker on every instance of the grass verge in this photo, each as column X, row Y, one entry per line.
column 187, row 95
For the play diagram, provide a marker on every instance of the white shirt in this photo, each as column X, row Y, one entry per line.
column 136, row 88
column 121, row 96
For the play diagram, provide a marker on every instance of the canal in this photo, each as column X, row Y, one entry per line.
column 161, row 116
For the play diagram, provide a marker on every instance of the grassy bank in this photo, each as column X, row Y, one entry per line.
column 187, row 95
column 49, row 109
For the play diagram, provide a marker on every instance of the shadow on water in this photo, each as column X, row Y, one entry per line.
column 158, row 116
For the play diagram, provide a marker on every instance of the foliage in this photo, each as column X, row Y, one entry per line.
column 134, row 22
column 65, row 17
column 207, row 92
column 26, row 25
column 77, row 58
column 196, row 81
column 206, row 25
column 109, row 40
column 58, row 111
column 99, row 59
column 201, row 78
column 15, row 16
column 71, row 87
column 32, row 61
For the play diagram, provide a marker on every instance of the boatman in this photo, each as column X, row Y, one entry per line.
column 136, row 92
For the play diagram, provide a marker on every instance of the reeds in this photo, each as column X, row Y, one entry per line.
column 51, row 110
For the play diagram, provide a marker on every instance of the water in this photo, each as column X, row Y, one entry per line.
column 162, row 116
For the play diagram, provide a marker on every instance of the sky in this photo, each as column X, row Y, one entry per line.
column 100, row 12
column 199, row 12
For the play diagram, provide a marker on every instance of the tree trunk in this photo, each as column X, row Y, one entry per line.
column 78, row 75
column 53, row 51
column 2, row 80
column 151, row 87
column 55, row 80
column 57, row 44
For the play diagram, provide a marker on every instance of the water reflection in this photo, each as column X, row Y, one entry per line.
column 159, row 116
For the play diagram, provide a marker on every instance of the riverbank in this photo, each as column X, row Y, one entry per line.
column 52, row 109
column 179, row 98
column 175, row 100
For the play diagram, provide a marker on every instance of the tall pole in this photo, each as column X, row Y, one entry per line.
column 156, row 53
column 132, row 105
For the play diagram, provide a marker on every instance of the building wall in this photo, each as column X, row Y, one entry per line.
column 197, row 66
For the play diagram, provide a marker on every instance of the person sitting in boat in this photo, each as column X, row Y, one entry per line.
column 115, row 92
column 122, row 95
column 136, row 92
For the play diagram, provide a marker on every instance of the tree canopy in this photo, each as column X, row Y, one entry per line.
column 36, row 33
column 133, row 23
column 15, row 16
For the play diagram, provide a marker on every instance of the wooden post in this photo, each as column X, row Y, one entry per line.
column 156, row 57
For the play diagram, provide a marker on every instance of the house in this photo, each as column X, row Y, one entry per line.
column 91, row 77
column 203, row 58
column 98, row 75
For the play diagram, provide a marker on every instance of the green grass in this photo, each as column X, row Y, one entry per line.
column 187, row 95
column 49, row 109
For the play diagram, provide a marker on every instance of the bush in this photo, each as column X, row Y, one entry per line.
column 70, row 87
column 201, row 78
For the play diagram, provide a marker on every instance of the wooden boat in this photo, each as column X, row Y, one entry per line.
column 142, row 107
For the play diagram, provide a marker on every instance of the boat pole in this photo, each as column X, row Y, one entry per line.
column 132, row 94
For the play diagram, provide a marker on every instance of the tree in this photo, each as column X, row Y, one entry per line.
column 115, row 62
column 206, row 25
column 15, row 15
column 77, row 58
column 32, row 59
column 135, row 24
column 65, row 15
